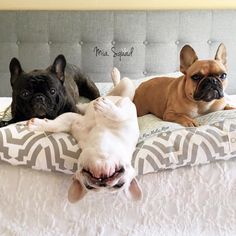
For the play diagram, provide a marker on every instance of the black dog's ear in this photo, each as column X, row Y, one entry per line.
column 15, row 69
column 187, row 57
column 58, row 67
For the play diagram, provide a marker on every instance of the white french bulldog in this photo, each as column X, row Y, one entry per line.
column 107, row 134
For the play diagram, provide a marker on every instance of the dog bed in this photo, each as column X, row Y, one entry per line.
column 162, row 145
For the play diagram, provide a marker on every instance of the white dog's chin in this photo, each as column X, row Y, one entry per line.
column 82, row 183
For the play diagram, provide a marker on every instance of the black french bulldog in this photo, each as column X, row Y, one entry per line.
column 47, row 93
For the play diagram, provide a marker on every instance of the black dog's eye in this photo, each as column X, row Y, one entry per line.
column 119, row 185
column 223, row 76
column 196, row 77
column 25, row 93
column 52, row 91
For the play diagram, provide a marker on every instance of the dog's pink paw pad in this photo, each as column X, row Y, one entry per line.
column 36, row 124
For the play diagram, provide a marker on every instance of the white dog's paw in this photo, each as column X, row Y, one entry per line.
column 115, row 75
column 36, row 124
column 104, row 106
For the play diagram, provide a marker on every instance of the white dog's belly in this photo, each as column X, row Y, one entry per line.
column 110, row 142
column 105, row 140
column 97, row 128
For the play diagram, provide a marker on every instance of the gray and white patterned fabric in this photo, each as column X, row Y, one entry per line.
column 189, row 146
column 37, row 150
column 162, row 145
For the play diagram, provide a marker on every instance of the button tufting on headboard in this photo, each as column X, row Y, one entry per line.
column 145, row 42
column 96, row 41
column 209, row 41
column 177, row 42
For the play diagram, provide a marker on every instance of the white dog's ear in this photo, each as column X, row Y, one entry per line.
column 134, row 191
column 76, row 191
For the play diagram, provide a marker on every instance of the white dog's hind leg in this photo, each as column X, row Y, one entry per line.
column 61, row 124
column 115, row 75
column 120, row 111
column 125, row 88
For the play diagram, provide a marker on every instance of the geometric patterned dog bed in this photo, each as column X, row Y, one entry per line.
column 162, row 145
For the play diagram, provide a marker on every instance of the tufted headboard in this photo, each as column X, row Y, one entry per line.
column 139, row 43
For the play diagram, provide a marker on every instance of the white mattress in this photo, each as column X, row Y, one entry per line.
column 198, row 200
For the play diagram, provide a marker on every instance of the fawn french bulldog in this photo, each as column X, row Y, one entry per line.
column 199, row 91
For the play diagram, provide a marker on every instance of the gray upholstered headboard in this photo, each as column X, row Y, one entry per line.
column 151, row 40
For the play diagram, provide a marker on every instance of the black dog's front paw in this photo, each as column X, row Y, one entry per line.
column 4, row 123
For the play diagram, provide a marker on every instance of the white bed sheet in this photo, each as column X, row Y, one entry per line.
column 196, row 200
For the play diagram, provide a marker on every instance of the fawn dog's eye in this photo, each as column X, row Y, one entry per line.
column 223, row 76
column 196, row 77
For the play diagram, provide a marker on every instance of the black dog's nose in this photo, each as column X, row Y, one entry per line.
column 39, row 98
column 212, row 80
